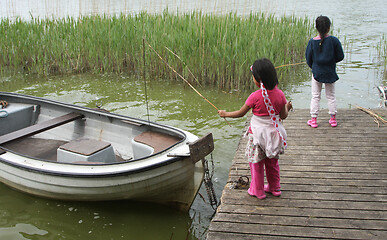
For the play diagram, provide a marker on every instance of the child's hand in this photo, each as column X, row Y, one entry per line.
column 222, row 113
column 289, row 105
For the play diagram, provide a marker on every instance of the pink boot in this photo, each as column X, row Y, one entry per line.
column 333, row 121
column 257, row 180
column 313, row 122
column 273, row 177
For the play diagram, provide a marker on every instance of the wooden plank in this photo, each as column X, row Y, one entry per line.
column 295, row 211
column 40, row 127
column 232, row 236
column 333, row 183
column 295, row 220
column 299, row 231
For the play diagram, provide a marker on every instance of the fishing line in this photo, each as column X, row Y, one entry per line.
column 146, row 92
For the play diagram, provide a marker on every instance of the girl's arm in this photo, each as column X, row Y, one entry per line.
column 339, row 52
column 236, row 114
column 285, row 110
column 308, row 54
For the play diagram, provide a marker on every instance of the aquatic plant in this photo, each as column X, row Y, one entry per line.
column 218, row 49
column 382, row 50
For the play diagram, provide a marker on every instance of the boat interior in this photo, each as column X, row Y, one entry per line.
column 80, row 138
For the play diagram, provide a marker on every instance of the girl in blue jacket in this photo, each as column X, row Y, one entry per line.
column 322, row 54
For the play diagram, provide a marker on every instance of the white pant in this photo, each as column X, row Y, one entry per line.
column 316, row 96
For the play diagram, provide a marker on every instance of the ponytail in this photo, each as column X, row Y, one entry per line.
column 323, row 24
column 321, row 43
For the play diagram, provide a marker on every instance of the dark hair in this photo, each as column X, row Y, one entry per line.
column 323, row 25
column 264, row 70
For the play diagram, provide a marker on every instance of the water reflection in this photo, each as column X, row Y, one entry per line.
column 19, row 230
column 29, row 217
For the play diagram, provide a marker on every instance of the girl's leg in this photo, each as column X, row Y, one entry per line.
column 257, row 180
column 316, row 96
column 331, row 98
column 315, row 102
column 273, row 176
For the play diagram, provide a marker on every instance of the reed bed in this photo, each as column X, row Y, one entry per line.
column 218, row 49
column 382, row 51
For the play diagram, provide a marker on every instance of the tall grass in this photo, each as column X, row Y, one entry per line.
column 382, row 50
column 217, row 49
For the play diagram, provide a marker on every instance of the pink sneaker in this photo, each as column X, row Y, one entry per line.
column 313, row 122
column 275, row 193
column 333, row 121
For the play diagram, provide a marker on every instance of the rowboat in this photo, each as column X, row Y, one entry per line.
column 62, row 151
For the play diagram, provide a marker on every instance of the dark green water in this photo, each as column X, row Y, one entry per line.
column 170, row 102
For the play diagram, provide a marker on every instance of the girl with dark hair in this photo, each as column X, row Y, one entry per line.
column 267, row 136
column 322, row 54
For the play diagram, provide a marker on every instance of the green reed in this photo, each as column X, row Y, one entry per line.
column 382, row 51
column 218, row 49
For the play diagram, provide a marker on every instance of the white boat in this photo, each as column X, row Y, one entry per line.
column 63, row 151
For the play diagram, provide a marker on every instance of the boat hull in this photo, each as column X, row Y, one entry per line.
column 175, row 184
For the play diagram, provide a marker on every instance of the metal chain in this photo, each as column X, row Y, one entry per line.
column 208, row 183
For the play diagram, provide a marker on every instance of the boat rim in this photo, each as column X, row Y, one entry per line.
column 102, row 170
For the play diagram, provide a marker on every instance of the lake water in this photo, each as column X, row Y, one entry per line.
column 359, row 24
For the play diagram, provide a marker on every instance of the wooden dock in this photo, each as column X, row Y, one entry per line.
column 334, row 184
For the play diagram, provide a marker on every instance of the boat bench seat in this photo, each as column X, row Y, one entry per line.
column 86, row 151
column 40, row 127
column 150, row 142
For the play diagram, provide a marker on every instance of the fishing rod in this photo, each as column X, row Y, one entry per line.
column 189, row 84
column 189, row 70
column 291, row 64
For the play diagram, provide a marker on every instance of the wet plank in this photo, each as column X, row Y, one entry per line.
column 334, row 184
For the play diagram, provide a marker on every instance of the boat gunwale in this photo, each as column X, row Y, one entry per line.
column 87, row 167
column 94, row 111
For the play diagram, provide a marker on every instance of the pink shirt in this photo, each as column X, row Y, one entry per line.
column 255, row 101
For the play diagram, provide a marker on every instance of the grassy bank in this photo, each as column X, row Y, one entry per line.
column 217, row 49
